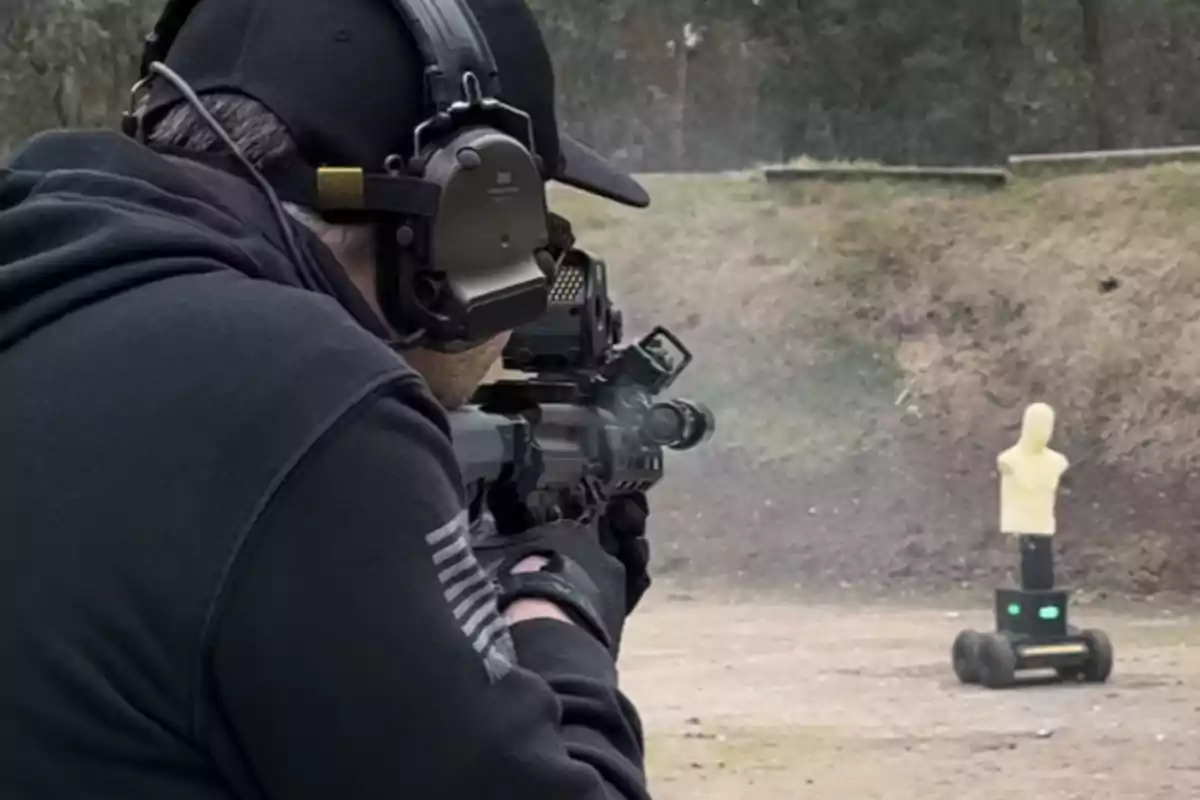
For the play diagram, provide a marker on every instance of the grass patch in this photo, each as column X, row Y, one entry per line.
column 1079, row 290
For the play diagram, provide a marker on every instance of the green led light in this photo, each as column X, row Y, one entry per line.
column 1048, row 612
column 1013, row 609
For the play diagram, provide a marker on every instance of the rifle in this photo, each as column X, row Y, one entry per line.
column 586, row 426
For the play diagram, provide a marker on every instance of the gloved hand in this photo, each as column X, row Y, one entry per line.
column 595, row 573
column 623, row 534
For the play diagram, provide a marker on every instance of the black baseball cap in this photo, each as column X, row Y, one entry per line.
column 346, row 78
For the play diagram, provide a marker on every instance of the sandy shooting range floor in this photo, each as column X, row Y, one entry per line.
column 789, row 700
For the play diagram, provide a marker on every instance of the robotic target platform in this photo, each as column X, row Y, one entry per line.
column 1032, row 628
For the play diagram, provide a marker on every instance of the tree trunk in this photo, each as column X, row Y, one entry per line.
column 994, row 38
column 1006, row 62
column 1093, row 17
column 683, row 58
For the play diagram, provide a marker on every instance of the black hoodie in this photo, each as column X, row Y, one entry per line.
column 232, row 550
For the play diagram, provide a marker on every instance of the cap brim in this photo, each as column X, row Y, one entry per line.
column 587, row 170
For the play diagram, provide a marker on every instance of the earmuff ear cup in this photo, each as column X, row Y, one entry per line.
column 479, row 251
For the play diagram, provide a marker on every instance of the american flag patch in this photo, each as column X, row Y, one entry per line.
column 472, row 596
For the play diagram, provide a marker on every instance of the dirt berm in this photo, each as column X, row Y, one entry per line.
column 869, row 348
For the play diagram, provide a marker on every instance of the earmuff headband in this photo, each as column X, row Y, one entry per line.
column 447, row 35
column 452, row 46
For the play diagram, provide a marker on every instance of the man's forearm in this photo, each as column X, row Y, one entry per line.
column 354, row 656
column 599, row 723
column 585, row 679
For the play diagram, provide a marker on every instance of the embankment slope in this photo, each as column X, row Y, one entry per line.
column 869, row 348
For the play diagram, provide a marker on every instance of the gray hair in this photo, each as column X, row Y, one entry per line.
column 258, row 133
column 263, row 139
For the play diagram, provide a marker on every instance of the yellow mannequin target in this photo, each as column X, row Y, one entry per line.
column 1030, row 473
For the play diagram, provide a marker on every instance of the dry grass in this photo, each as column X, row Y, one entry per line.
column 729, row 267
column 1082, row 291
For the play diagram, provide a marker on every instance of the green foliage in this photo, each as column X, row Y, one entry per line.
column 719, row 84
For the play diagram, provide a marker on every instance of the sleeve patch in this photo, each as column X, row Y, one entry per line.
column 471, row 595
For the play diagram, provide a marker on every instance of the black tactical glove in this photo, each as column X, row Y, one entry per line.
column 595, row 573
column 623, row 534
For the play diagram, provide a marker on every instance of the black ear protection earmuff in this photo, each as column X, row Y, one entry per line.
column 460, row 210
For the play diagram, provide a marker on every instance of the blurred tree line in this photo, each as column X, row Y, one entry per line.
column 719, row 84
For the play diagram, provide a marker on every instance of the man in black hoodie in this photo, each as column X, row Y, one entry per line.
column 232, row 530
